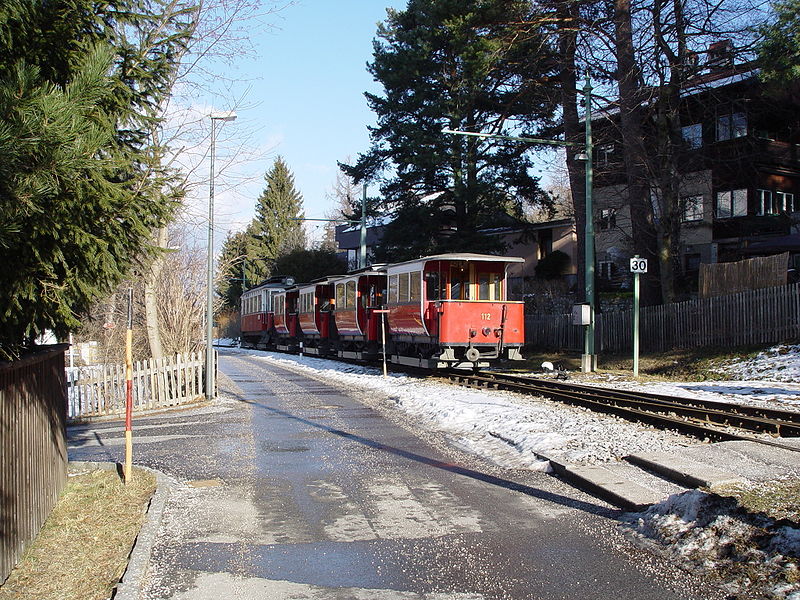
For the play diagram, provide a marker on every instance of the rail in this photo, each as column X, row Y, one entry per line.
column 702, row 418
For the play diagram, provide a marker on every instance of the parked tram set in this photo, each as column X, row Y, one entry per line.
column 436, row 312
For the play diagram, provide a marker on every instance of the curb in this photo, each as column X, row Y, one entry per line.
column 130, row 584
column 627, row 497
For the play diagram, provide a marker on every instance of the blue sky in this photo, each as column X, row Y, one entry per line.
column 307, row 103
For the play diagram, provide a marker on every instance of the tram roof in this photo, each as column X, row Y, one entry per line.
column 462, row 256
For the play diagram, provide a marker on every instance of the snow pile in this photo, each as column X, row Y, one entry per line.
column 507, row 428
column 779, row 363
column 753, row 555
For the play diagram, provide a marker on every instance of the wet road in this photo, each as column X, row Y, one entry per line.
column 292, row 489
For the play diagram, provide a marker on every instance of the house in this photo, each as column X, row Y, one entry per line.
column 739, row 169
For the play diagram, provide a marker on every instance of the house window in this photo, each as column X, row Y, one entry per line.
column 545, row 243
column 693, row 135
column 731, row 203
column 605, row 269
column 731, row 126
column 691, row 263
column 692, row 208
column 766, row 206
column 608, row 219
column 773, row 203
column 785, row 202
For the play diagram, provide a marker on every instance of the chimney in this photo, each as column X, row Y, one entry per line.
column 720, row 56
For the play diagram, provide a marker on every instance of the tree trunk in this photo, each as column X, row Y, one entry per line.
column 151, row 298
column 637, row 166
column 568, row 14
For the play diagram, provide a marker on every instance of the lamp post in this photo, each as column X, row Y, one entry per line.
column 589, row 358
column 222, row 116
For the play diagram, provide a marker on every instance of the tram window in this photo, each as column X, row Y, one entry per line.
column 340, row 295
column 459, row 284
column 402, row 288
column 497, row 284
column 351, row 294
column 415, row 286
column 483, row 286
column 393, row 289
column 433, row 286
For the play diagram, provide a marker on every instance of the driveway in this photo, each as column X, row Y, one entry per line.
column 289, row 488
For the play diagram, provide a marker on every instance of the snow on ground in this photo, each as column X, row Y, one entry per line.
column 753, row 555
column 772, row 378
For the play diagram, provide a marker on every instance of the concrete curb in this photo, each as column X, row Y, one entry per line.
column 602, row 483
column 130, row 585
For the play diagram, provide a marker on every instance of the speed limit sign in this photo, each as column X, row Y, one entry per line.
column 638, row 265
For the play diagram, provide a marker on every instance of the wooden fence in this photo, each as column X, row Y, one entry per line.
column 33, row 449
column 157, row 383
column 765, row 316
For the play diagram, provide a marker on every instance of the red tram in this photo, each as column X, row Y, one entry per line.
column 449, row 310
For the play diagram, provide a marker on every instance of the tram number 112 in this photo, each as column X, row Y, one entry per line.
column 486, row 316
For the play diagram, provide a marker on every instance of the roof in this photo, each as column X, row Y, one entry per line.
column 468, row 256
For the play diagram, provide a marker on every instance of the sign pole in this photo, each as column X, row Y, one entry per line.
column 638, row 266
column 129, row 391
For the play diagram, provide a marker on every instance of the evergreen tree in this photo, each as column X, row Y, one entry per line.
column 277, row 228
column 779, row 50
column 474, row 65
column 308, row 265
column 81, row 187
column 233, row 278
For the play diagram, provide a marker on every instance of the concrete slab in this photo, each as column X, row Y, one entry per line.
column 611, row 482
column 683, row 470
column 756, row 462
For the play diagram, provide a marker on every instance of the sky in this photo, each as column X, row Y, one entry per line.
column 303, row 100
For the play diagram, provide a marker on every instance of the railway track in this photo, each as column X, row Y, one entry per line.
column 706, row 419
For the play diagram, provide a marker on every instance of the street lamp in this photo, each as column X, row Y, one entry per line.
column 220, row 116
column 589, row 358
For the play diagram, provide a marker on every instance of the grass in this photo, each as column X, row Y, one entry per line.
column 684, row 365
column 83, row 547
column 776, row 499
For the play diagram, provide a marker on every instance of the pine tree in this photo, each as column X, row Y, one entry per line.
column 474, row 65
column 233, row 278
column 81, row 187
column 779, row 50
column 277, row 227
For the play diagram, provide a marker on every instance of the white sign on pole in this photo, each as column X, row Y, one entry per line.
column 638, row 265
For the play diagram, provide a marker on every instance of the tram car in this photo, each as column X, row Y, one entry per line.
column 315, row 317
column 443, row 311
column 257, row 315
column 359, row 301
column 288, row 335
column 452, row 311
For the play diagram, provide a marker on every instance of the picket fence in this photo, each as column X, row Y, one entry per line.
column 764, row 316
column 100, row 390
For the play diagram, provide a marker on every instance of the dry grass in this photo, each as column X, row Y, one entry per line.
column 82, row 549
column 682, row 365
column 776, row 499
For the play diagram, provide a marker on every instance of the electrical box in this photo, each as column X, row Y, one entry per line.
column 581, row 314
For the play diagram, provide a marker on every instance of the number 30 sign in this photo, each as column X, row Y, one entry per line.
column 638, row 265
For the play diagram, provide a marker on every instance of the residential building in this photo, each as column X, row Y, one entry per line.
column 739, row 169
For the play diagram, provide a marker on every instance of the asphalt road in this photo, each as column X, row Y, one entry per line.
column 291, row 489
